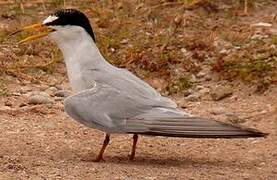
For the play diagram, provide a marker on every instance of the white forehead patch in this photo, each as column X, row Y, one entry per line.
column 49, row 19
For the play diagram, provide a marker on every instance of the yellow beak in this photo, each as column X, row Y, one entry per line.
column 42, row 30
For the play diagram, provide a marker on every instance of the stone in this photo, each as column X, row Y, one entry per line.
column 208, row 77
column 58, row 98
column 183, row 50
column 193, row 97
column 204, row 91
column 22, row 104
column 217, row 111
column 221, row 92
column 25, row 89
column 187, row 92
column 193, row 78
column 182, row 103
column 233, row 118
column 39, row 98
column 199, row 87
column 42, row 87
column 8, row 103
column 124, row 41
column 16, row 94
column 223, row 51
column 59, row 87
column 62, row 93
column 5, row 108
column 258, row 37
column 201, row 74
column 51, row 90
column 261, row 24
column 157, row 83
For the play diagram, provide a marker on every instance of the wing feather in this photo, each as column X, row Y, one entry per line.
column 111, row 110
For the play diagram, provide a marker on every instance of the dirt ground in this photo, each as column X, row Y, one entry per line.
column 43, row 142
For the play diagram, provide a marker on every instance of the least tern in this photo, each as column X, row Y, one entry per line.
column 114, row 100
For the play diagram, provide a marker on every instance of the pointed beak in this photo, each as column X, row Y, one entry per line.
column 41, row 29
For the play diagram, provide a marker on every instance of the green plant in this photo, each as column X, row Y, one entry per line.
column 179, row 85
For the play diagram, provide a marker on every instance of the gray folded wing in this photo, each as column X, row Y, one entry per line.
column 108, row 109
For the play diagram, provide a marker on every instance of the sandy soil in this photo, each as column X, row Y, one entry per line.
column 40, row 142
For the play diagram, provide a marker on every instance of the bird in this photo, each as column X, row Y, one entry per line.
column 114, row 100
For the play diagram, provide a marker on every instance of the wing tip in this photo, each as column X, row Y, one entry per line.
column 250, row 132
column 245, row 133
column 256, row 133
column 223, row 130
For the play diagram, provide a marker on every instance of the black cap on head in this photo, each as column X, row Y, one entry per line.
column 72, row 17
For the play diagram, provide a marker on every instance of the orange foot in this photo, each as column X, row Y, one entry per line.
column 132, row 157
column 98, row 159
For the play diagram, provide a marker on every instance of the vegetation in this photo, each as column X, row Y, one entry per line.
column 170, row 40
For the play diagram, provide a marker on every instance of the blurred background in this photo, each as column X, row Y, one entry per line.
column 169, row 43
column 216, row 58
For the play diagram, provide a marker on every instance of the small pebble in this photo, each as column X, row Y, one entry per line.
column 53, row 89
column 199, row 87
column 25, row 89
column 233, row 118
column 217, row 111
column 58, row 98
column 59, row 87
column 204, row 91
column 5, row 108
column 22, row 104
column 193, row 78
column 187, row 92
column 62, row 93
column 193, row 97
column 39, row 98
column 221, row 92
column 8, row 103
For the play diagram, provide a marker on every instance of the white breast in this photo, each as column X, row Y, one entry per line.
column 76, row 80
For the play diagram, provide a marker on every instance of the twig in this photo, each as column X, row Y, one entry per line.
column 168, row 4
column 192, row 5
column 245, row 7
column 22, row 7
column 43, row 5
column 27, row 66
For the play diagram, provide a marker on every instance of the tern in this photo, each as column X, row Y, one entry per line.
column 114, row 100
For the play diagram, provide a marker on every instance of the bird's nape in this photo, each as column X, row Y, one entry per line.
column 70, row 17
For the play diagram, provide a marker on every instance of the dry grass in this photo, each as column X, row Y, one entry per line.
column 170, row 40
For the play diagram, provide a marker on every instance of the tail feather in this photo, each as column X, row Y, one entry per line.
column 190, row 127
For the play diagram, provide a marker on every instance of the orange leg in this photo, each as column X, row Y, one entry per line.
column 133, row 153
column 105, row 144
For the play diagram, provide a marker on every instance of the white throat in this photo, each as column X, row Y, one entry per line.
column 72, row 39
column 80, row 54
